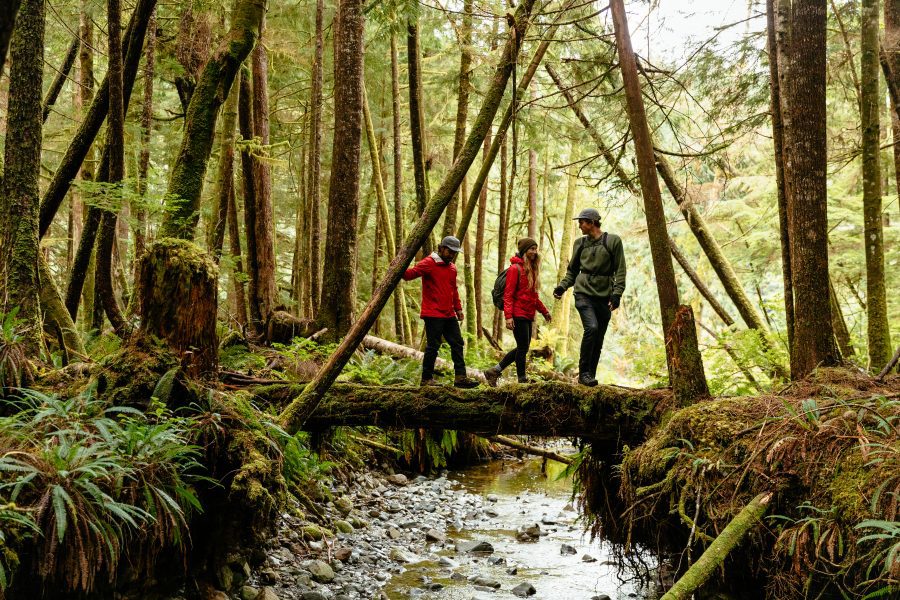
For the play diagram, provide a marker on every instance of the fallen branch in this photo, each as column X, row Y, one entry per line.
column 715, row 555
column 375, row 445
column 506, row 441
column 887, row 368
column 386, row 347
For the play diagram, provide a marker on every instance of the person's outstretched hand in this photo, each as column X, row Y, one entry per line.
column 459, row 315
column 614, row 302
column 510, row 324
column 558, row 291
column 547, row 317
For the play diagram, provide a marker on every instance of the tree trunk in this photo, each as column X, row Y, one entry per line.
column 295, row 415
column 805, row 162
column 189, row 170
column 84, row 138
column 878, row 331
column 239, row 299
column 699, row 284
column 245, row 123
column 417, row 124
column 140, row 228
column 775, row 49
column 685, row 363
column 82, row 267
column 561, row 307
column 61, row 75
column 841, row 333
column 891, row 67
column 462, row 109
column 314, row 198
column 479, row 244
column 400, row 313
column 8, row 13
column 55, row 311
column 19, row 243
column 532, row 194
column 178, row 302
column 264, row 223
column 225, row 183
column 336, row 306
column 371, row 342
column 503, row 232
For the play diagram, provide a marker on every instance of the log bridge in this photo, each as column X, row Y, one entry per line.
column 605, row 412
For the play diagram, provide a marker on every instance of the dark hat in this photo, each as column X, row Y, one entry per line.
column 525, row 244
column 589, row 214
column 451, row 243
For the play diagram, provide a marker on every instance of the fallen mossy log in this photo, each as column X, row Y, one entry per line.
column 393, row 349
column 547, row 409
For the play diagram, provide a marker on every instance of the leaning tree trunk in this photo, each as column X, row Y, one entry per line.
column 248, row 185
column 685, row 364
column 19, row 243
column 878, row 330
column 401, row 314
column 83, row 140
column 55, row 311
column 314, row 199
column 339, row 279
column 140, row 226
column 296, row 413
column 503, row 229
column 62, row 74
column 178, row 302
column 186, row 183
column 532, row 194
column 239, row 298
column 7, row 23
column 462, row 108
column 805, row 161
column 417, row 123
column 479, row 244
column 225, row 183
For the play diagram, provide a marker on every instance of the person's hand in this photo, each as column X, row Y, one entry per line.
column 547, row 317
column 614, row 302
column 510, row 324
column 558, row 291
column 459, row 315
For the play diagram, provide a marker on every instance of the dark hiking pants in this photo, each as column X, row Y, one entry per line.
column 595, row 315
column 437, row 329
column 522, row 333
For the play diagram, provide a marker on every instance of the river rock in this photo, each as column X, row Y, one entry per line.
column 312, row 532
column 321, row 571
column 394, row 533
column 343, row 554
column 524, row 589
column 313, row 595
column 433, row 535
column 398, row 479
column 600, row 597
column 248, row 592
column 446, row 562
column 492, row 513
column 402, row 556
column 266, row 593
column 344, row 505
column 588, row 558
column 492, row 498
column 484, row 581
column 474, row 547
column 343, row 526
column 512, row 571
column 225, row 577
column 496, row 560
column 567, row 550
column 457, row 577
column 528, row 533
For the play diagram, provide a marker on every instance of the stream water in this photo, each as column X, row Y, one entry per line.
column 517, row 494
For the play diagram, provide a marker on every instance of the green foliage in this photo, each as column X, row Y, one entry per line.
column 98, row 483
column 15, row 367
column 375, row 369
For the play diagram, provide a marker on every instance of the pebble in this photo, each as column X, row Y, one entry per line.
column 567, row 550
column 524, row 589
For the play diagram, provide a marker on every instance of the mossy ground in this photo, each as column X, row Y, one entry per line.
column 828, row 448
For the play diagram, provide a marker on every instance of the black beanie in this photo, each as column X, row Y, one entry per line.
column 525, row 244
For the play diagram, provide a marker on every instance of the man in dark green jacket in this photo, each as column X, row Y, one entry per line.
column 597, row 270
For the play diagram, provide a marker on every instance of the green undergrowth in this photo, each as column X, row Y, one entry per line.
column 828, row 448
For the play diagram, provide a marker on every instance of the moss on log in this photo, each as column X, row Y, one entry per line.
column 178, row 302
column 550, row 409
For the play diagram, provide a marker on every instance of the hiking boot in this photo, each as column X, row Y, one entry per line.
column 524, row 380
column 587, row 379
column 464, row 382
column 492, row 375
column 429, row 383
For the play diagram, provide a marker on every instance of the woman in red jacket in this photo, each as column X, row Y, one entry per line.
column 520, row 303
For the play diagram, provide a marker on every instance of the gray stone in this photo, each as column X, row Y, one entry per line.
column 496, row 560
column 433, row 535
column 528, row 533
column 588, row 558
column 321, row 571
column 402, row 556
column 446, row 562
column 567, row 550
column 488, row 582
column 524, row 589
column 474, row 547
column 394, row 533
column 492, row 513
column 313, row 595
column 492, row 498
column 399, row 479
column 270, row 576
column 512, row 571
column 600, row 597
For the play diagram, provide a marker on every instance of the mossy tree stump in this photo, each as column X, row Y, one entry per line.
column 178, row 301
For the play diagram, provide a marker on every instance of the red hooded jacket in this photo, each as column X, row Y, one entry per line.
column 440, row 297
column 520, row 299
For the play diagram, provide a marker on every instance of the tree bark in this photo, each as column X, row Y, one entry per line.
column 401, row 314
column 61, row 75
column 55, row 311
column 266, row 293
column 805, row 162
column 775, row 48
column 140, row 228
column 699, row 284
column 561, row 307
column 81, row 266
column 225, row 183
column 8, row 13
column 336, row 306
column 189, row 170
column 878, row 330
column 239, row 299
column 383, row 346
column 19, row 242
column 683, row 355
column 841, row 333
column 314, row 198
column 479, row 244
column 508, row 441
column 83, row 140
column 532, row 194
column 295, row 415
column 245, row 123
column 503, row 232
column 462, row 108
column 417, row 124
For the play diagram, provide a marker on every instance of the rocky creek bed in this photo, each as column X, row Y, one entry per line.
column 498, row 530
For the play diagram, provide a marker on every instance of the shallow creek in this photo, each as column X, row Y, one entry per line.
column 516, row 494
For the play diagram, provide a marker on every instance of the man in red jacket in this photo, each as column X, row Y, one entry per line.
column 441, row 310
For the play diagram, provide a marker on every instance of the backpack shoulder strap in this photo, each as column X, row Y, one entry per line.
column 612, row 257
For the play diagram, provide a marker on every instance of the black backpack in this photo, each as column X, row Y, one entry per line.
column 499, row 289
column 612, row 258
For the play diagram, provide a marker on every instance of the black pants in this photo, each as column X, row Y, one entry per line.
column 595, row 315
column 448, row 329
column 522, row 333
